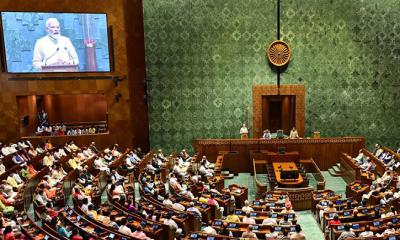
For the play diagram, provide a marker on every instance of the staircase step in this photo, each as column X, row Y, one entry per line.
column 337, row 169
column 333, row 173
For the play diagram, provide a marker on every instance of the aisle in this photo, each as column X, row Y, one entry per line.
column 309, row 225
column 305, row 218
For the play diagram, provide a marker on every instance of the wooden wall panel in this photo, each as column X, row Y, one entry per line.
column 75, row 108
column 325, row 151
column 128, row 44
column 267, row 90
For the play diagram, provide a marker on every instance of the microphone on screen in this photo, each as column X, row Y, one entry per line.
column 52, row 55
column 70, row 56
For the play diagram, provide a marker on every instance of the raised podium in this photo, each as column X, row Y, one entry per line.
column 61, row 68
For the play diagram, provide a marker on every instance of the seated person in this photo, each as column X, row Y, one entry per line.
column 271, row 235
column 249, row 234
column 378, row 150
column 298, row 235
column 194, row 210
column 41, row 198
column 246, row 207
column 248, row 218
column 367, row 166
column 285, row 221
column 100, row 165
column 266, row 134
column 204, row 171
column 17, row 159
column 269, row 220
column 207, row 164
column 367, row 232
column 388, row 231
column 48, row 160
column 360, row 159
column 293, row 133
column 347, row 233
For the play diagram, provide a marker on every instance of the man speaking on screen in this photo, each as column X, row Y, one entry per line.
column 54, row 49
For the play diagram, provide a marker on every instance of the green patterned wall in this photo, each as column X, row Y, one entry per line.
column 204, row 56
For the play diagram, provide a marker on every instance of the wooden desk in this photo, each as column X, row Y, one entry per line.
column 324, row 151
column 350, row 167
column 286, row 166
column 240, row 194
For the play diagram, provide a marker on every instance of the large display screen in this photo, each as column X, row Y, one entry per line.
column 55, row 42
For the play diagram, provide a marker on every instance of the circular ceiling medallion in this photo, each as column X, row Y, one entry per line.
column 279, row 53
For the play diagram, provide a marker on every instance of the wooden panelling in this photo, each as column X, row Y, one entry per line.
column 128, row 123
column 325, row 151
column 267, row 90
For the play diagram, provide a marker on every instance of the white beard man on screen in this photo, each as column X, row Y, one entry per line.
column 53, row 49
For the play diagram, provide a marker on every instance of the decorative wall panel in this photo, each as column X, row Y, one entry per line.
column 204, row 56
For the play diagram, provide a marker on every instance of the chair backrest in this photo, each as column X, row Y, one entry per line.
column 279, row 134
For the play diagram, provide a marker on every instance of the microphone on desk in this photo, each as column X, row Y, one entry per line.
column 52, row 55
column 70, row 56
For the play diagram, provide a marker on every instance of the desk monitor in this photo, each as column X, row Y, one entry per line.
column 281, row 150
column 256, row 203
column 194, row 236
column 365, row 210
column 232, row 225
column 255, row 227
column 292, row 229
column 210, row 238
column 346, row 213
column 111, row 236
column 393, row 237
column 355, row 226
column 338, row 202
column 290, row 215
column 98, row 230
column 225, row 197
column 377, row 223
column 395, row 220
column 274, row 215
column 278, row 228
column 218, row 223
column 323, row 203
column 289, row 174
column 204, row 205
column 253, row 214
column 271, row 204
column 46, row 237
column 340, row 227
column 155, row 227
column 238, row 212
